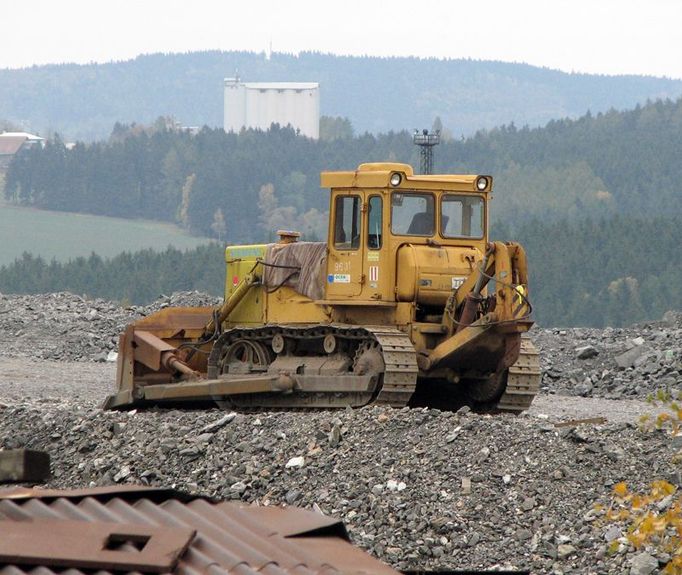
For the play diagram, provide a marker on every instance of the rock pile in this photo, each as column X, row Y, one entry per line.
column 64, row 326
column 420, row 489
column 613, row 362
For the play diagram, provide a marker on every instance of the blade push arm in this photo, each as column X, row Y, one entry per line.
column 465, row 319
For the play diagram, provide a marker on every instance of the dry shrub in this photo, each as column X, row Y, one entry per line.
column 653, row 518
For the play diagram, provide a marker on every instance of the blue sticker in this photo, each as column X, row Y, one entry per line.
column 330, row 278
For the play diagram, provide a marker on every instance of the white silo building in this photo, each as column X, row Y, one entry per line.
column 260, row 104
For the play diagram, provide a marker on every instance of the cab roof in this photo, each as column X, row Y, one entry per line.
column 377, row 175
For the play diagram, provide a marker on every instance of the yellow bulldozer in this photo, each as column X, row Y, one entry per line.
column 408, row 303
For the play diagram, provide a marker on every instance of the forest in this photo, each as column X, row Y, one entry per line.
column 134, row 278
column 598, row 165
column 583, row 273
column 595, row 200
column 82, row 102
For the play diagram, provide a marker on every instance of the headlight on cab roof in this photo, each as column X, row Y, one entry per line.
column 482, row 183
column 396, row 178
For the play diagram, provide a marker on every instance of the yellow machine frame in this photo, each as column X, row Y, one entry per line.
column 423, row 296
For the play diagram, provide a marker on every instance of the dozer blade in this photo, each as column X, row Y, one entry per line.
column 206, row 389
column 232, row 386
column 270, row 386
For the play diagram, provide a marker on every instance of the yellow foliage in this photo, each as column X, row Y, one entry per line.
column 661, row 419
column 638, row 502
column 662, row 488
column 620, row 489
column 636, row 539
column 674, row 567
column 647, row 523
column 617, row 515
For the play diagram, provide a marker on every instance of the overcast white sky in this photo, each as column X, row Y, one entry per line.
column 595, row 36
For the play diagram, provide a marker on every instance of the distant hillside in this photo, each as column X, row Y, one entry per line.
column 376, row 94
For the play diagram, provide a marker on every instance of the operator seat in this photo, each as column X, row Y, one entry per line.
column 421, row 224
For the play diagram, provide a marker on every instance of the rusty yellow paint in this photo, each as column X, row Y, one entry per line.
column 376, row 275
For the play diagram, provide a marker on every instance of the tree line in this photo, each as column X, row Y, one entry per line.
column 582, row 273
column 601, row 272
column 598, row 166
column 135, row 277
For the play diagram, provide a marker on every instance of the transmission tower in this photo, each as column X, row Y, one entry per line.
column 426, row 142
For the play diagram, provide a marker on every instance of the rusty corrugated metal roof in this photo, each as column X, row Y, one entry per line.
column 150, row 530
column 102, row 493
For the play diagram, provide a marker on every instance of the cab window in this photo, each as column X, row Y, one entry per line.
column 374, row 223
column 461, row 216
column 347, row 223
column 412, row 214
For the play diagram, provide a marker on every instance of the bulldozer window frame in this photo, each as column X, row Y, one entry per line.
column 459, row 222
column 347, row 222
column 401, row 206
column 375, row 222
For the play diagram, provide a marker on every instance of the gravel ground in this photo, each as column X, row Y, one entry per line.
column 420, row 489
column 46, row 381
column 29, row 380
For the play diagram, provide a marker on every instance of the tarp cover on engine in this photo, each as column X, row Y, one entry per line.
column 301, row 266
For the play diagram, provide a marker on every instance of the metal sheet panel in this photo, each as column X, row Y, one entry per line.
column 230, row 538
column 94, row 545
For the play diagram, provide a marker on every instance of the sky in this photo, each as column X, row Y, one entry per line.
column 592, row 36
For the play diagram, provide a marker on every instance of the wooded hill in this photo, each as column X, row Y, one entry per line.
column 614, row 163
column 596, row 200
column 376, row 94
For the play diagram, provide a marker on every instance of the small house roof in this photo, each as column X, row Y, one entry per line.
column 9, row 145
column 24, row 135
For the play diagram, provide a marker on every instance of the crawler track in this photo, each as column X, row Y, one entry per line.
column 523, row 380
column 394, row 386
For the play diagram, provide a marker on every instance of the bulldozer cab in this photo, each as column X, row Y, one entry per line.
column 396, row 236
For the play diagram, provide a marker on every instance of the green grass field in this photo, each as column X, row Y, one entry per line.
column 63, row 235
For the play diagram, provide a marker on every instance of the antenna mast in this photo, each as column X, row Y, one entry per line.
column 426, row 142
